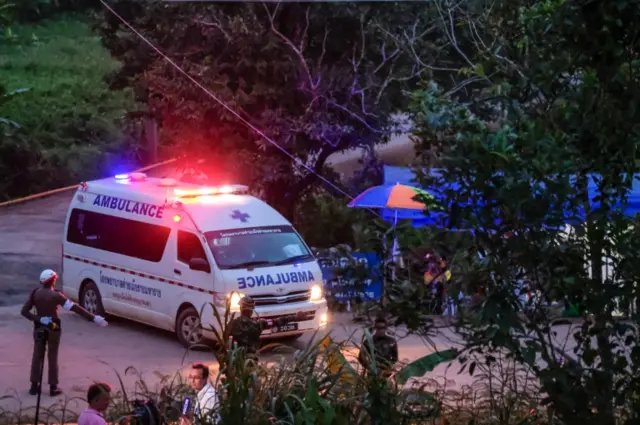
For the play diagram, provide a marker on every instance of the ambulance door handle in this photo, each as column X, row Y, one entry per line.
column 176, row 271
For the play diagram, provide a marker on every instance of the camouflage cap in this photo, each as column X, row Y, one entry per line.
column 247, row 303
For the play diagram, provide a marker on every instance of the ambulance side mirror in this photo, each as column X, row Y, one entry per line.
column 200, row 265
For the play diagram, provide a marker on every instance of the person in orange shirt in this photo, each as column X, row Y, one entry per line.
column 433, row 279
column 431, row 269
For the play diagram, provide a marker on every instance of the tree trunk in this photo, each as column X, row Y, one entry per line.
column 596, row 232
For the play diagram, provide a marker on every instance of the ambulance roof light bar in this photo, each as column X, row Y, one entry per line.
column 209, row 191
column 136, row 177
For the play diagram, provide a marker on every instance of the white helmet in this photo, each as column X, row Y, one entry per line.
column 47, row 275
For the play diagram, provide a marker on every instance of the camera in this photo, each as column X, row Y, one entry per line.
column 145, row 412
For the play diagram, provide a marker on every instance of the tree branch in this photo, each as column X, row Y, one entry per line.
column 354, row 115
column 217, row 25
column 298, row 52
column 410, row 40
column 451, row 35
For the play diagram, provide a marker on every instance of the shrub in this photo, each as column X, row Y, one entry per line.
column 70, row 123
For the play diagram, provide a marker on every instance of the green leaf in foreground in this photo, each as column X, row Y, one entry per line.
column 424, row 364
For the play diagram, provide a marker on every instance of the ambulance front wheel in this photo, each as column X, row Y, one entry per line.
column 91, row 300
column 189, row 329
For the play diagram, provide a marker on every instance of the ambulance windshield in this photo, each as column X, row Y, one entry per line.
column 257, row 247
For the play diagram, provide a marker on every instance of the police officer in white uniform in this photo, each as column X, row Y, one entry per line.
column 46, row 300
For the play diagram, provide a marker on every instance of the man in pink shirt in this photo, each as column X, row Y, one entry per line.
column 98, row 397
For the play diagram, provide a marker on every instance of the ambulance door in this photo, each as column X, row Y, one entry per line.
column 193, row 268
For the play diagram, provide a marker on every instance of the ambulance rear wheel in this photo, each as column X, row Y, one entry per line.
column 189, row 329
column 91, row 300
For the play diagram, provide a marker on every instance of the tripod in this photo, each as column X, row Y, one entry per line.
column 42, row 337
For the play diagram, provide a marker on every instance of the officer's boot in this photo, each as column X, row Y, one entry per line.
column 54, row 391
column 34, row 388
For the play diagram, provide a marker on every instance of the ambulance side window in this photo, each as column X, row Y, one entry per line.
column 189, row 246
column 118, row 235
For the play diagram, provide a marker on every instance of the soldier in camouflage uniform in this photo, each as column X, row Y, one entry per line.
column 245, row 330
column 385, row 349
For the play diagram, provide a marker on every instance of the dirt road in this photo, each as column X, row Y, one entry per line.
column 30, row 241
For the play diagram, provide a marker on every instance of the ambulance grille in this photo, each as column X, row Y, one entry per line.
column 272, row 299
column 308, row 315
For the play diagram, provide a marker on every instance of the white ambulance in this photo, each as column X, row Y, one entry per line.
column 162, row 252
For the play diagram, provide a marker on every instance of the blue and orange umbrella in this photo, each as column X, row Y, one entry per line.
column 394, row 197
column 398, row 196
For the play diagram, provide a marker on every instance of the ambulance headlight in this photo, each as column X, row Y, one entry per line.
column 234, row 303
column 316, row 293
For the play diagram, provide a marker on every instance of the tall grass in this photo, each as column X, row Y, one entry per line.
column 317, row 386
column 305, row 391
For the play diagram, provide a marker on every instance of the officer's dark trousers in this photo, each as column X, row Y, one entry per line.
column 52, row 346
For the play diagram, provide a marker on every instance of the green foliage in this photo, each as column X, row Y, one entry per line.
column 13, row 150
column 71, row 124
column 23, row 11
column 63, row 65
column 35, row 10
column 424, row 364
column 5, row 97
column 325, row 220
column 546, row 103
column 7, row 17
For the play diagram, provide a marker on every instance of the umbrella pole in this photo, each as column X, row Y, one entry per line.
column 393, row 245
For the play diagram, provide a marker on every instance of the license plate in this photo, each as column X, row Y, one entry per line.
column 285, row 328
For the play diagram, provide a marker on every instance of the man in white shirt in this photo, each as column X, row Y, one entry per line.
column 206, row 402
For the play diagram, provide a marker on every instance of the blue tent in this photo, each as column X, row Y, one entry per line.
column 404, row 175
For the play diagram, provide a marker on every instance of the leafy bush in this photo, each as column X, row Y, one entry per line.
column 34, row 10
column 325, row 220
column 70, row 123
